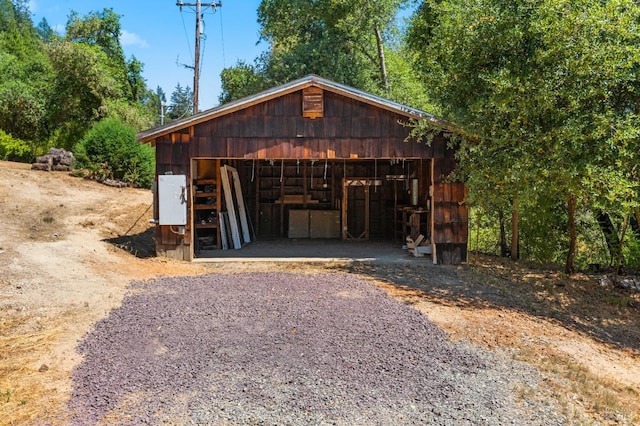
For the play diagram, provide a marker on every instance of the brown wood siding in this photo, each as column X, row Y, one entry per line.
column 277, row 129
column 450, row 213
column 348, row 129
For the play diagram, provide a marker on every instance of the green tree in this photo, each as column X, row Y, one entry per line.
column 45, row 32
column 181, row 103
column 135, row 79
column 239, row 81
column 110, row 150
column 341, row 40
column 54, row 88
column 15, row 14
column 26, row 76
column 12, row 149
column 546, row 93
column 345, row 41
column 154, row 103
column 82, row 86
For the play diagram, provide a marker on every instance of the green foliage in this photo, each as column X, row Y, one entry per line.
column 239, row 81
column 12, row 149
column 53, row 88
column 136, row 115
column 100, row 29
column 154, row 104
column 631, row 251
column 26, row 77
column 546, row 95
column 335, row 39
column 484, row 231
column 45, row 32
column 135, row 79
column 181, row 103
column 110, row 150
column 82, row 86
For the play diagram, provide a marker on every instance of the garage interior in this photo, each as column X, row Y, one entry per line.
column 374, row 199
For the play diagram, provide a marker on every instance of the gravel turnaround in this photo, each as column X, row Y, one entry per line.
column 278, row 348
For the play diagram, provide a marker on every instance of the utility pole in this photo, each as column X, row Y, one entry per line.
column 196, row 65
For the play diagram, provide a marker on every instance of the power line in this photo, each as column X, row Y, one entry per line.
column 186, row 36
column 196, row 60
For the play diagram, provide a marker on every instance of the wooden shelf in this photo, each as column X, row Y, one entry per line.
column 287, row 185
column 207, row 188
column 206, row 226
column 204, row 207
column 413, row 222
column 297, row 202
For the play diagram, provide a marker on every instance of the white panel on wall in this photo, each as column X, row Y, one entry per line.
column 172, row 199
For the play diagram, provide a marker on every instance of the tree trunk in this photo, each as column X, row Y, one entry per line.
column 619, row 260
column 383, row 64
column 610, row 235
column 504, row 248
column 570, row 267
column 515, row 247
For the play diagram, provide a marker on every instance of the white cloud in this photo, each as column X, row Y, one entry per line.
column 33, row 6
column 131, row 39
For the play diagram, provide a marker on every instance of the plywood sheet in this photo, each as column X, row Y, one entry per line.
column 298, row 224
column 324, row 224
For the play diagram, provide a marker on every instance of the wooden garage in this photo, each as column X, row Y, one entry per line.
column 309, row 159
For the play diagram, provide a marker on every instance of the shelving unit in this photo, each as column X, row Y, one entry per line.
column 413, row 222
column 282, row 186
column 207, row 204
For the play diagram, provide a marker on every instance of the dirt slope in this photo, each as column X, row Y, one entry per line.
column 59, row 277
column 61, row 271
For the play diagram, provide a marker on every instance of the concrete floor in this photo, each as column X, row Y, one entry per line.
column 317, row 250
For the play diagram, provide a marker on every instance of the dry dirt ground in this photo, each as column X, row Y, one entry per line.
column 69, row 248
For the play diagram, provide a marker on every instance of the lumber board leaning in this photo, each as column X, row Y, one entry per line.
column 246, row 235
column 231, row 209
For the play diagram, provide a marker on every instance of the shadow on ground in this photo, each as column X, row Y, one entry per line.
column 140, row 245
column 607, row 314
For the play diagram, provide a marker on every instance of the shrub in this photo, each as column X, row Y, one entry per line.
column 110, row 150
column 12, row 149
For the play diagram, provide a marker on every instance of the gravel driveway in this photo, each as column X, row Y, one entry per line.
column 276, row 348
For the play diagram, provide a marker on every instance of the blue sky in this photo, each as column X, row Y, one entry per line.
column 159, row 35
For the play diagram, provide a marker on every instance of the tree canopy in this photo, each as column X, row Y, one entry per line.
column 56, row 87
column 546, row 95
column 352, row 42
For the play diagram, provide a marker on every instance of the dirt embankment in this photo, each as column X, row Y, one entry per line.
column 59, row 276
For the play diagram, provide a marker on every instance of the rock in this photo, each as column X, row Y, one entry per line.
column 57, row 160
column 605, row 281
column 45, row 167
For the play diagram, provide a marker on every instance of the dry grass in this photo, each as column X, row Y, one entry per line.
column 583, row 338
column 23, row 398
column 585, row 397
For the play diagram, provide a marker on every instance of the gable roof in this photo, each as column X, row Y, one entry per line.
column 308, row 81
